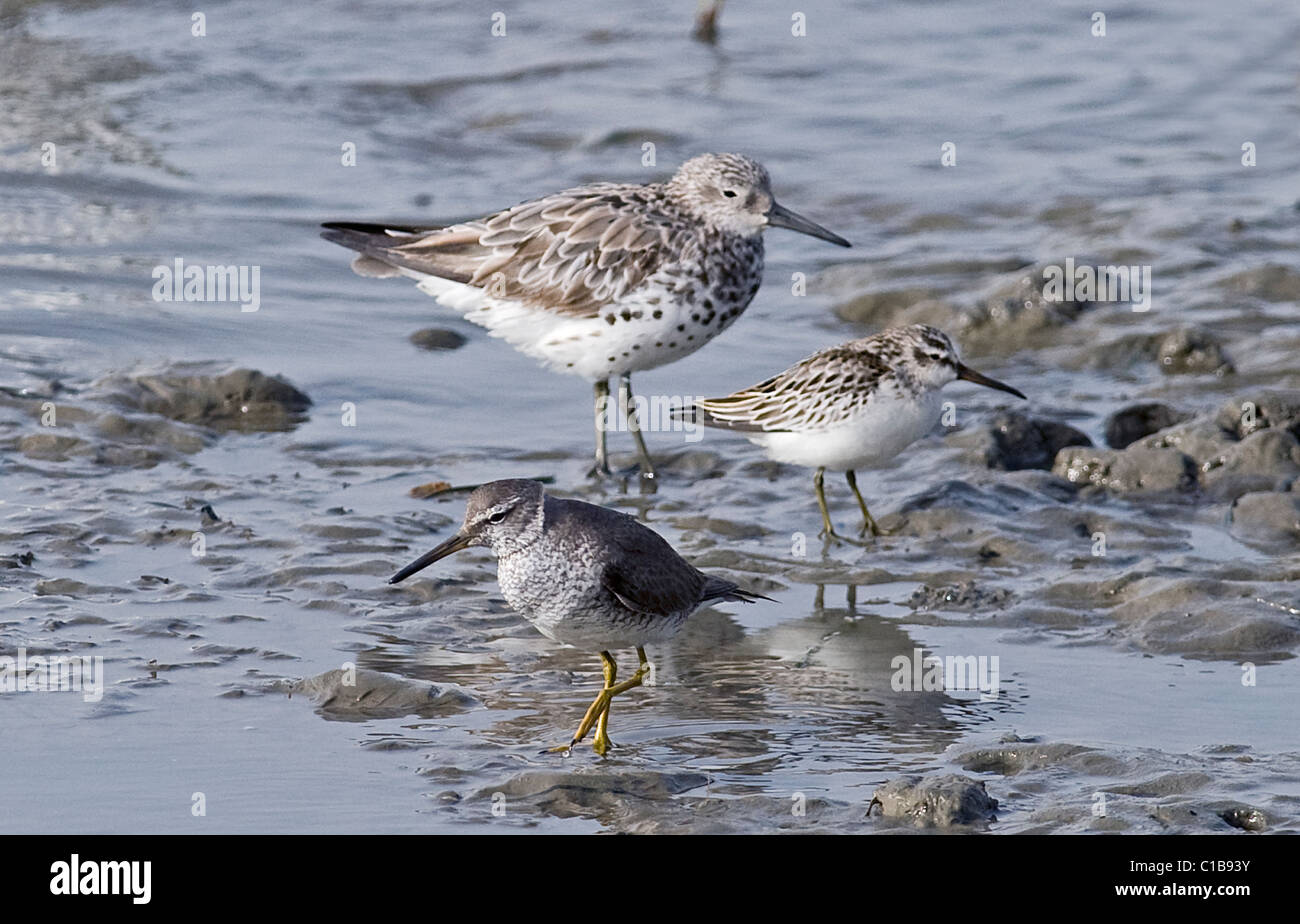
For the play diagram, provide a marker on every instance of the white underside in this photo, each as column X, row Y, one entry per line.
column 885, row 427
column 580, row 346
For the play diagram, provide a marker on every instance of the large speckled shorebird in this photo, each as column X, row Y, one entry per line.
column 583, row 575
column 849, row 406
column 602, row 280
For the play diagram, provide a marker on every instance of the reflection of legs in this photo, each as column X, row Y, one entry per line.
column 602, row 400
column 828, row 531
column 868, row 524
column 625, row 399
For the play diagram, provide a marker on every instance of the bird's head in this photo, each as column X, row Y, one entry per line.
column 503, row 515
column 931, row 358
column 733, row 192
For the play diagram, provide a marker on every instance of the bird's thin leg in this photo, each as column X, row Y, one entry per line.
column 828, row 531
column 601, row 468
column 818, row 479
column 598, row 705
column 601, row 744
column 625, row 399
column 868, row 523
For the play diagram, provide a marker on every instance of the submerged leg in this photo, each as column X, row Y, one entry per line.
column 868, row 524
column 602, row 401
column 625, row 400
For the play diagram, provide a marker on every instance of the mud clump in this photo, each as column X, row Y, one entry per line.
column 1191, row 351
column 364, row 694
column 1268, row 516
column 935, row 801
column 1130, row 470
column 964, row 596
column 1271, row 282
column 1259, row 411
column 1244, row 817
column 241, row 399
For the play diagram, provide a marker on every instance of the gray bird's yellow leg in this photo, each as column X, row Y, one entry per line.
column 828, row 531
column 602, row 743
column 598, row 711
column 625, row 401
column 868, row 523
column 601, row 469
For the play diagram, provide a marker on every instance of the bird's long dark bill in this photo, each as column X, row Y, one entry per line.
column 451, row 546
column 781, row 217
column 970, row 375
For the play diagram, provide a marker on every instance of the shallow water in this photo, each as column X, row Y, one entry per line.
column 226, row 149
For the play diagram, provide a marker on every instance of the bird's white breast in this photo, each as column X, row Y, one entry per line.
column 654, row 325
column 877, row 432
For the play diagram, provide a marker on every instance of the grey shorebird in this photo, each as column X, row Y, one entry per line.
column 848, row 406
column 585, row 576
column 603, row 280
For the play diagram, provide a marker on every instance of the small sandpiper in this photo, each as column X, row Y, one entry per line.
column 603, row 280
column 585, row 576
column 848, row 406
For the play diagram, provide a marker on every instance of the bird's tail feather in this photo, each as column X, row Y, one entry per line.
column 718, row 589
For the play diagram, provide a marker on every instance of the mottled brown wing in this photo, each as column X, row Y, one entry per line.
column 825, row 386
column 572, row 253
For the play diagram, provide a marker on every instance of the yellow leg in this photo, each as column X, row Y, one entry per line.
column 601, row 744
column 868, row 523
column 598, row 712
column 828, row 531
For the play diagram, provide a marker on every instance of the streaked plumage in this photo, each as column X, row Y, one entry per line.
column 848, row 406
column 583, row 575
column 601, row 280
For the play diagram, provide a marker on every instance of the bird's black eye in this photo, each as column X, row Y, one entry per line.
column 729, row 193
column 498, row 516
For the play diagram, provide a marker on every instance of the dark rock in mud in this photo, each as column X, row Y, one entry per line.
column 1260, row 411
column 438, row 338
column 935, row 801
column 1190, row 351
column 363, row 694
column 1268, row 516
column 1130, row 424
column 241, row 399
column 1129, row 470
column 1013, row 441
